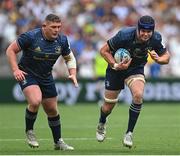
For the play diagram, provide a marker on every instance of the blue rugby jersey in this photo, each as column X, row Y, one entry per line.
column 126, row 38
column 39, row 54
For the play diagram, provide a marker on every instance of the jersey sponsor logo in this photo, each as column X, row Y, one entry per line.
column 46, row 56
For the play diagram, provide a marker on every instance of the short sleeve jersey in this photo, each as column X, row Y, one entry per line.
column 38, row 54
column 126, row 38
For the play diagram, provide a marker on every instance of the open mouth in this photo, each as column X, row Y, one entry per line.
column 145, row 38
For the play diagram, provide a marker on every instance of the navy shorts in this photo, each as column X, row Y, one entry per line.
column 47, row 85
column 115, row 79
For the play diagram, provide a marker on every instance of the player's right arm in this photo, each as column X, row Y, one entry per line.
column 107, row 55
column 11, row 53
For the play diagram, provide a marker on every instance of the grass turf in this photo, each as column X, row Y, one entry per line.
column 157, row 131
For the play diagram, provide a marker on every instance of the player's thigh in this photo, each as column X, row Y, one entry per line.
column 136, row 85
column 114, row 80
column 50, row 106
column 48, row 90
column 111, row 94
column 110, row 99
column 31, row 89
column 33, row 94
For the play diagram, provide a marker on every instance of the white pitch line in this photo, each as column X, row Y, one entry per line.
column 78, row 139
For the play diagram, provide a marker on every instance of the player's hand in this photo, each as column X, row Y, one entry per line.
column 19, row 75
column 122, row 65
column 74, row 80
column 153, row 55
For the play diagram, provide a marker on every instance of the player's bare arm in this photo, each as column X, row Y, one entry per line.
column 107, row 55
column 163, row 59
column 71, row 64
column 11, row 52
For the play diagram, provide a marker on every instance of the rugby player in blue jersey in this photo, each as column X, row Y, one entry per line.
column 40, row 49
column 139, row 41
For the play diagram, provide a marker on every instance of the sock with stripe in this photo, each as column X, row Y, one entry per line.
column 30, row 118
column 55, row 125
column 134, row 111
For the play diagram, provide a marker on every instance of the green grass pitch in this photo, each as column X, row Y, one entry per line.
column 157, row 131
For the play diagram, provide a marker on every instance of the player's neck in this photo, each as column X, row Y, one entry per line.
column 45, row 36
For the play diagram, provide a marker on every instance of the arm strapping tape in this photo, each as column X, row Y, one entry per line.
column 70, row 60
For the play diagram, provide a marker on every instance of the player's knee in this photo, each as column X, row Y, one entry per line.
column 138, row 97
column 51, row 111
column 35, row 102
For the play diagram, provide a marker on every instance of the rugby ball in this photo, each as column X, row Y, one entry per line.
column 121, row 54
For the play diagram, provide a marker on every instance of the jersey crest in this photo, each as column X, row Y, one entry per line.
column 58, row 50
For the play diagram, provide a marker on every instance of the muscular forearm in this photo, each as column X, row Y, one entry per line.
column 12, row 59
column 11, row 52
column 106, row 54
column 109, row 58
column 164, row 59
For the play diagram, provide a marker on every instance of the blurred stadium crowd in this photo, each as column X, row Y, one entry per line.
column 88, row 24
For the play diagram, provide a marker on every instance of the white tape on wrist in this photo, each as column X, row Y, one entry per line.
column 115, row 66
